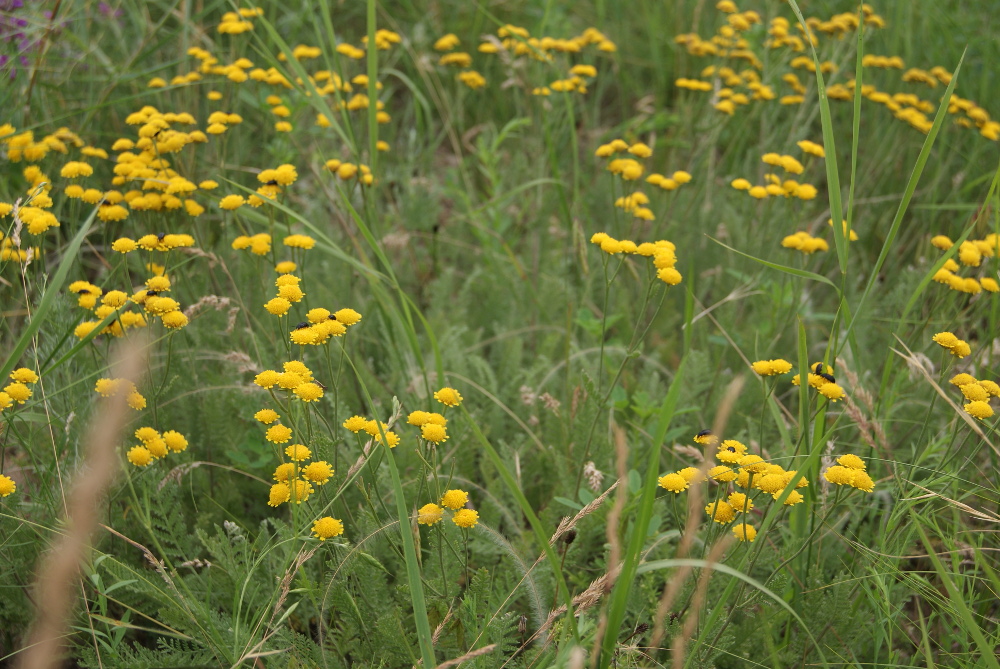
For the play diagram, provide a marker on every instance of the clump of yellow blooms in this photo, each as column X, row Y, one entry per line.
column 778, row 187
column 19, row 390
column 821, row 378
column 970, row 254
column 455, row 500
column 737, row 481
column 977, row 393
column 958, row 347
column 732, row 89
column 662, row 252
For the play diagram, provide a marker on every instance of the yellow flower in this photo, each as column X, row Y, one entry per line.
column 433, row 433
column 309, row 392
column 24, row 375
column 740, row 502
column 675, row 483
column 745, row 532
column 139, row 456
column 355, row 423
column 318, row 472
column 278, row 306
column 175, row 441
column 447, row 396
column 327, row 527
column 278, row 434
column 231, row 202
column 455, row 499
column 429, row 514
column 721, row 512
column 466, row 518
column 7, row 486
column 18, row 392
column 979, row 409
column 299, row 491
column 347, row 316
column 280, row 493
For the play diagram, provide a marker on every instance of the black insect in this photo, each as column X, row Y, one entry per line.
column 828, row 377
column 818, row 369
column 704, row 433
column 152, row 293
column 333, row 317
column 272, row 182
column 161, row 235
column 302, row 325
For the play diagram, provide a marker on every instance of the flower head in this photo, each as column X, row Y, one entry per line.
column 455, row 499
column 280, row 493
column 139, row 456
column 318, row 472
column 721, row 512
column 979, row 409
column 355, row 423
column 433, row 433
column 278, row 434
column 745, row 532
column 675, row 483
column 429, row 514
column 327, row 527
column 24, row 375
column 465, row 518
column 7, row 486
column 297, row 452
column 448, row 397
column 266, row 416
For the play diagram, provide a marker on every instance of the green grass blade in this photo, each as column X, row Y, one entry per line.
column 656, row 565
column 988, row 656
column 832, row 171
column 805, row 274
column 52, row 289
column 911, row 186
column 626, row 577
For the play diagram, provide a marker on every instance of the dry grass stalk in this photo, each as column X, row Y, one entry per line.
column 59, row 569
column 468, row 656
column 871, row 430
column 698, row 601
column 674, row 585
column 908, row 356
column 612, row 530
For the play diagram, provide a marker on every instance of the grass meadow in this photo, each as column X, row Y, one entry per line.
column 541, row 334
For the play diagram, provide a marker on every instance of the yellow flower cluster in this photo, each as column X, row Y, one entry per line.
column 771, row 367
column 431, row 514
column 19, row 391
column 729, row 43
column 804, row 242
column 348, row 171
column 850, row 471
column 821, row 378
column 778, row 187
column 374, row 429
column 958, row 347
column 108, row 387
column 154, row 446
column 10, row 248
column 978, row 394
column 515, row 42
column 118, row 303
column 662, row 252
column 746, row 473
column 295, row 478
column 970, row 253
column 235, row 23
